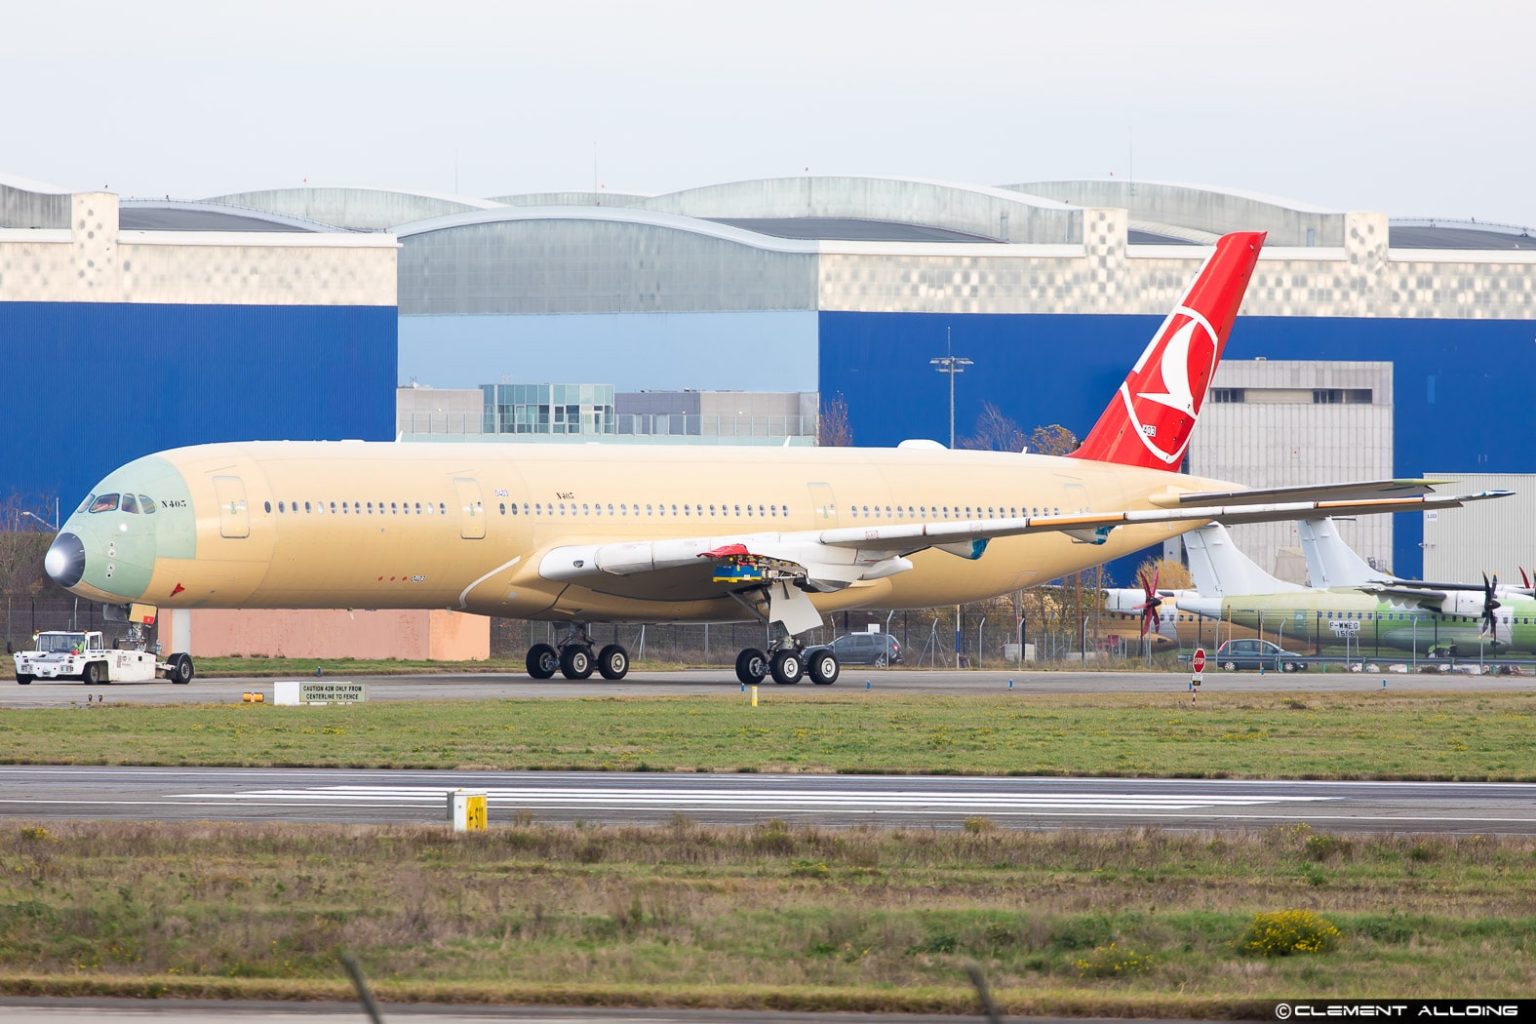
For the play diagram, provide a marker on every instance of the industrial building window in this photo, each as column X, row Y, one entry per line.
column 1341, row 396
column 1227, row 395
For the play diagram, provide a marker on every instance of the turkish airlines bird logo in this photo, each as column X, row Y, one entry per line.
column 1169, row 383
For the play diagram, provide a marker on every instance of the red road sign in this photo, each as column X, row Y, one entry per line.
column 1198, row 661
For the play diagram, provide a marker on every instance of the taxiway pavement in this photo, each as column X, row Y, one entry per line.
column 705, row 682
column 343, row 796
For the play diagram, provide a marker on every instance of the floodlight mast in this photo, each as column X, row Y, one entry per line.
column 951, row 364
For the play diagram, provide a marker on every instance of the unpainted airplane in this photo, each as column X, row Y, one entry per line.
column 599, row 534
column 1359, row 606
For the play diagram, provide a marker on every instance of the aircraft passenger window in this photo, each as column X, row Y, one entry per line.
column 686, row 509
column 538, row 508
column 514, row 508
column 281, row 507
column 442, row 508
column 146, row 504
column 370, row 508
column 267, row 505
column 610, row 508
column 623, row 510
column 562, row 508
column 503, row 508
column 773, row 510
column 306, row 508
column 946, row 512
column 674, row 511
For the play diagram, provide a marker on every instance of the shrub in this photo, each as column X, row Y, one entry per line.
column 1322, row 846
column 1289, row 932
column 1112, row 961
column 978, row 823
column 809, row 869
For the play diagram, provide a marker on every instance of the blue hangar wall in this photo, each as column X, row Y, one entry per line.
column 1458, row 385
column 95, row 385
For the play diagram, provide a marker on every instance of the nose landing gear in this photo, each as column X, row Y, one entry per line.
column 573, row 658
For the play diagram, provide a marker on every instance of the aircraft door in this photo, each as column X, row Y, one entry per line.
column 234, row 517
column 823, row 504
column 471, row 508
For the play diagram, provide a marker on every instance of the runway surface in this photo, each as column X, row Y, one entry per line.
column 467, row 686
column 350, row 796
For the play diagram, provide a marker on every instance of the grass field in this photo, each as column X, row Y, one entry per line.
column 1373, row 735
column 1136, row 923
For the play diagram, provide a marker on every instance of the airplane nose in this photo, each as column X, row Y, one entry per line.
column 65, row 560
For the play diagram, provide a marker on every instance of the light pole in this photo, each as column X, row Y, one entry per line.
column 952, row 364
column 33, row 515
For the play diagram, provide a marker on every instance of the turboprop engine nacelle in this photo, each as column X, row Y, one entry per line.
column 1463, row 602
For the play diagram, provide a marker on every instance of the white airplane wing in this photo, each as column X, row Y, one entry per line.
column 835, row 558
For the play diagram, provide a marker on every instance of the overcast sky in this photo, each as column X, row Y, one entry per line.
column 1411, row 107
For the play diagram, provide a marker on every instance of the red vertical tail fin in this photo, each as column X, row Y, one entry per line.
column 1149, row 421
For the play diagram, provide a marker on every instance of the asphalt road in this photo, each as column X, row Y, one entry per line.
column 469, row 686
column 376, row 796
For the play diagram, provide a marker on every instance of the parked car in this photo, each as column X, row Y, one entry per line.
column 866, row 649
column 1236, row 654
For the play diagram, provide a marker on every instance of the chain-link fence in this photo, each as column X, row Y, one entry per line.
column 21, row 615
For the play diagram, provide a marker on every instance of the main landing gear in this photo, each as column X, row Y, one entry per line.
column 789, row 663
column 787, row 610
column 573, row 658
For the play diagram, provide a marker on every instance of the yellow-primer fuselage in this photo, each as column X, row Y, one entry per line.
column 462, row 526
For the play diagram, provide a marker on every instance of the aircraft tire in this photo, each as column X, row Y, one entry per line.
column 751, row 666
column 613, row 662
column 181, row 670
column 22, row 680
column 543, row 661
column 823, row 668
column 576, row 662
column 788, row 668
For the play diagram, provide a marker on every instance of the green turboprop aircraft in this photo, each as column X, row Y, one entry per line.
column 1358, row 607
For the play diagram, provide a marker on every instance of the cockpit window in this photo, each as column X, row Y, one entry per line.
column 130, row 504
column 146, row 504
column 85, row 504
column 105, row 503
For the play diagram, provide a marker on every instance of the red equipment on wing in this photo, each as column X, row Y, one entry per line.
column 1149, row 421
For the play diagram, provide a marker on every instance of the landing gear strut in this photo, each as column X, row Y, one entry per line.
column 787, row 660
column 573, row 658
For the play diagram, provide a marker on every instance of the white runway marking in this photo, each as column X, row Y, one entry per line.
column 762, row 799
